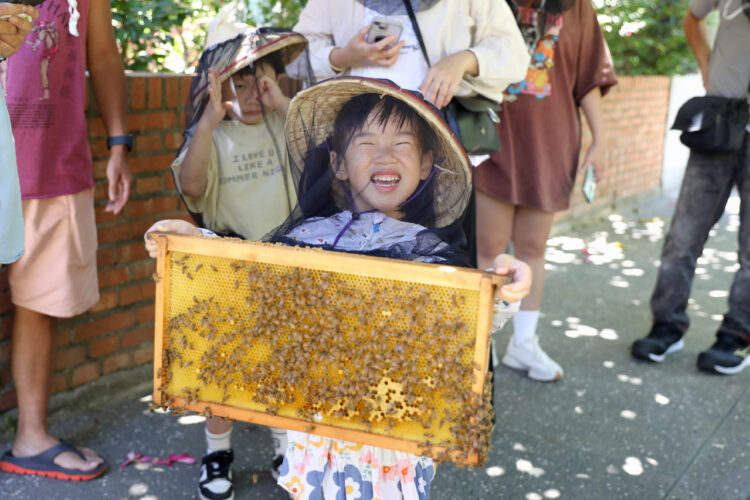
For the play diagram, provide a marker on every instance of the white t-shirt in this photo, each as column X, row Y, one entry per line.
column 246, row 192
column 410, row 68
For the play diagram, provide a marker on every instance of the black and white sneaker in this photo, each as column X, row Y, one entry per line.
column 728, row 355
column 662, row 340
column 216, row 476
column 276, row 466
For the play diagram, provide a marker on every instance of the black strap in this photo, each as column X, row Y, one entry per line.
column 415, row 25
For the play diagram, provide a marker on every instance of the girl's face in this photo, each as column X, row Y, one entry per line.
column 242, row 91
column 383, row 165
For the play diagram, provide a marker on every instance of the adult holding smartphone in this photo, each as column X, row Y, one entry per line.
column 520, row 188
column 13, row 30
column 475, row 47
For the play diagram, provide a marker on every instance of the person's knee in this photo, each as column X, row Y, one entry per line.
column 530, row 247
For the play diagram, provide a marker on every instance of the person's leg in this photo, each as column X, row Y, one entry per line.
column 531, row 228
column 703, row 195
column 737, row 318
column 215, row 481
column 494, row 227
column 31, row 366
column 497, row 224
column 730, row 353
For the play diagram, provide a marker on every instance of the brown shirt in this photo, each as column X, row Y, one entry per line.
column 540, row 129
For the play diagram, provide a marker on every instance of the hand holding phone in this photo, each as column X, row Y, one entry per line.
column 381, row 27
column 589, row 184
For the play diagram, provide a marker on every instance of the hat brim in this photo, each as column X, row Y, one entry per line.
column 313, row 111
column 291, row 45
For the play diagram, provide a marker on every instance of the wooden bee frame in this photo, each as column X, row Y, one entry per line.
column 228, row 314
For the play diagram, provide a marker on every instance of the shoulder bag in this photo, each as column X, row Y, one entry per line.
column 472, row 119
column 713, row 124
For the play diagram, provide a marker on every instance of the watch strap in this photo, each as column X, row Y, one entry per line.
column 120, row 140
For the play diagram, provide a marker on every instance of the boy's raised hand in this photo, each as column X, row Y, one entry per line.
column 520, row 286
column 176, row 226
column 216, row 109
column 271, row 95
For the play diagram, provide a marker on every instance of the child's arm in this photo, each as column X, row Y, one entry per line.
column 168, row 226
column 193, row 173
column 271, row 95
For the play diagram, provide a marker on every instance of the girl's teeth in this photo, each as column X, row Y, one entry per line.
column 386, row 179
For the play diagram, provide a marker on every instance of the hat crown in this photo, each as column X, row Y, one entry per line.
column 225, row 26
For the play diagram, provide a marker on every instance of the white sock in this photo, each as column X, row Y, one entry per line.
column 279, row 441
column 524, row 326
column 218, row 442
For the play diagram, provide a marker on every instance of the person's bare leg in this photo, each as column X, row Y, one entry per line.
column 494, row 228
column 217, row 425
column 31, row 366
column 531, row 228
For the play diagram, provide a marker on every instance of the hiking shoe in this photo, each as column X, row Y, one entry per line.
column 528, row 356
column 276, row 466
column 728, row 355
column 216, row 476
column 662, row 340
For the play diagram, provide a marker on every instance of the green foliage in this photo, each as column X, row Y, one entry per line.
column 646, row 37
column 169, row 35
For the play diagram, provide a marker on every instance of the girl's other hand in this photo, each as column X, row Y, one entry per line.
column 520, row 286
column 176, row 226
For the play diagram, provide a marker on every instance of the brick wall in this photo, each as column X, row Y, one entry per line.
column 117, row 332
column 634, row 115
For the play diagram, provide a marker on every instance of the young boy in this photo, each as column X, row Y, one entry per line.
column 232, row 170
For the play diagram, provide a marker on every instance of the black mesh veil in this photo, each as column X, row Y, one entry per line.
column 241, row 54
column 324, row 118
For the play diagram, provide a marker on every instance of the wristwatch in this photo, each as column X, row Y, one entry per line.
column 120, row 140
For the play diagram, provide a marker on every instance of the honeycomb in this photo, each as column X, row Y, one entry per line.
column 390, row 357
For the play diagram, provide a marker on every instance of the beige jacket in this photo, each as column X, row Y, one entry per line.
column 486, row 27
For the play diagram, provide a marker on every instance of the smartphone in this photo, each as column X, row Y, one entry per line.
column 589, row 184
column 381, row 27
column 23, row 2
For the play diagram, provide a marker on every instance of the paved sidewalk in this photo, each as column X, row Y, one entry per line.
column 612, row 428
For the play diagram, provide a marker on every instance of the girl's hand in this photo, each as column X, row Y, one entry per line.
column 520, row 286
column 271, row 95
column 216, row 109
column 168, row 226
column 360, row 52
column 443, row 78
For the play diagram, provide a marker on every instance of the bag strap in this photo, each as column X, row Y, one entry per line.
column 417, row 31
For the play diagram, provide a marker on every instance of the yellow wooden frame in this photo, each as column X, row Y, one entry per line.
column 337, row 262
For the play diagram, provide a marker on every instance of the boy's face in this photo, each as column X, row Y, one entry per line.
column 242, row 91
column 383, row 165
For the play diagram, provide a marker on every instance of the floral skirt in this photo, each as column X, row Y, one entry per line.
column 321, row 468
